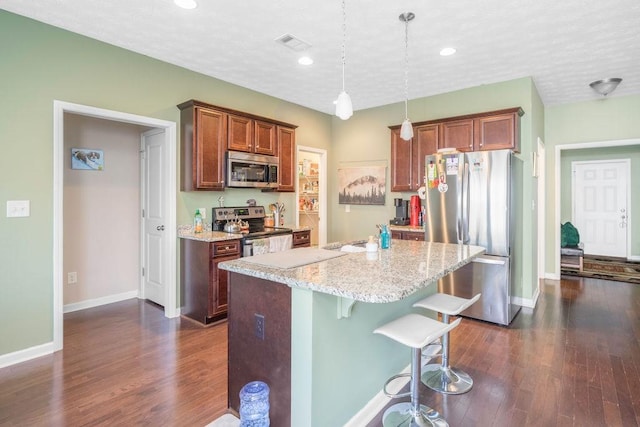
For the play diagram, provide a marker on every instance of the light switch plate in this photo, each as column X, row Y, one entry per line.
column 18, row 208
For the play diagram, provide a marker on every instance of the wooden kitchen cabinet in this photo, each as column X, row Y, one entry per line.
column 302, row 239
column 495, row 130
column 407, row 235
column 407, row 157
column 286, row 159
column 204, row 286
column 204, row 132
column 252, row 136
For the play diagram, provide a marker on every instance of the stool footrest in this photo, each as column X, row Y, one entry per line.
column 393, row 378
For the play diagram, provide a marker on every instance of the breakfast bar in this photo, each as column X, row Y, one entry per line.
column 302, row 321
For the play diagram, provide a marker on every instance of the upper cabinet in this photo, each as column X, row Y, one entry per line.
column 286, row 158
column 204, row 135
column 252, row 136
column 494, row 130
column 208, row 131
column 407, row 157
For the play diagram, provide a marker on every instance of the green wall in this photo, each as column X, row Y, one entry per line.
column 605, row 119
column 41, row 64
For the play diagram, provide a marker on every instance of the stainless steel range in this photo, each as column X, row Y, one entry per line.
column 254, row 217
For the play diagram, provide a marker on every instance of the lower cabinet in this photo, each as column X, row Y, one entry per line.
column 204, row 287
column 302, row 239
column 407, row 235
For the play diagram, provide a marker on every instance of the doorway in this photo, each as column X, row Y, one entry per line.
column 558, row 200
column 311, row 193
column 168, row 129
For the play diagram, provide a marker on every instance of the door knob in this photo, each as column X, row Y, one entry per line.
column 160, row 228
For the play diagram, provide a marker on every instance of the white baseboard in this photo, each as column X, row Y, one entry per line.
column 82, row 305
column 26, row 354
column 552, row 276
column 634, row 258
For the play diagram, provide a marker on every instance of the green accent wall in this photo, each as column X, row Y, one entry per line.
column 601, row 120
column 40, row 64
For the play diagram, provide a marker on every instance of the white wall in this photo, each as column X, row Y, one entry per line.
column 101, row 210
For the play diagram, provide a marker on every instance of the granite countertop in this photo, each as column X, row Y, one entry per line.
column 384, row 276
column 186, row 232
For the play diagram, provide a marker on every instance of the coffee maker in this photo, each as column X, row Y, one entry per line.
column 402, row 212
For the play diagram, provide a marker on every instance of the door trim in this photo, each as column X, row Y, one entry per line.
column 556, row 219
column 322, row 192
column 170, row 128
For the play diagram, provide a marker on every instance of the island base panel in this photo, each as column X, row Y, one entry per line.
column 252, row 358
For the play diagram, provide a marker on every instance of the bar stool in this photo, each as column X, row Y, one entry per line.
column 415, row 331
column 441, row 377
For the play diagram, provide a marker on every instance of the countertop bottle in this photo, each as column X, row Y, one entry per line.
column 385, row 238
column 197, row 222
column 372, row 245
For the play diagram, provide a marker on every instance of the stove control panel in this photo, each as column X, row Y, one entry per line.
column 243, row 213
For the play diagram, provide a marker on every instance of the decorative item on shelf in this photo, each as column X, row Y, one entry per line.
column 606, row 86
column 406, row 131
column 344, row 108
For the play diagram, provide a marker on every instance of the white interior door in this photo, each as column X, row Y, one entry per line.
column 154, row 213
column 600, row 205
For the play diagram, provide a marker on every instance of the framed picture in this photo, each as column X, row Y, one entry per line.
column 365, row 185
column 87, row 159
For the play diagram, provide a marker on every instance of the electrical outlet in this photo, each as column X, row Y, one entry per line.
column 259, row 326
column 72, row 278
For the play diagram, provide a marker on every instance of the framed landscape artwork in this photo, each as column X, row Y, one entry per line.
column 87, row 159
column 363, row 185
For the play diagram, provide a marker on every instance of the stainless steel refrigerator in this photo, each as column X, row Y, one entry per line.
column 470, row 200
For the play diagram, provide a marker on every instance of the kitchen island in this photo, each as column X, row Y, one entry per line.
column 307, row 330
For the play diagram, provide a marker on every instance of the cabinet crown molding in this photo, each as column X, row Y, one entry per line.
column 517, row 110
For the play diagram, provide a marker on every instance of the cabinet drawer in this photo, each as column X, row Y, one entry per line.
column 302, row 238
column 226, row 247
column 410, row 235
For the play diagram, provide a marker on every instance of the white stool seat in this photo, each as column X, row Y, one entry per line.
column 442, row 377
column 415, row 330
column 447, row 304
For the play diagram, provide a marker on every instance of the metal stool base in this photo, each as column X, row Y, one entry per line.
column 446, row 380
column 402, row 415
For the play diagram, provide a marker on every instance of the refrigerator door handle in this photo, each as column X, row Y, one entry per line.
column 488, row 261
column 465, row 203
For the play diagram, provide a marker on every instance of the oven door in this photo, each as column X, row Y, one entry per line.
column 266, row 244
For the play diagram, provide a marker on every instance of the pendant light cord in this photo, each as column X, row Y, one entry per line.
column 406, row 67
column 344, row 37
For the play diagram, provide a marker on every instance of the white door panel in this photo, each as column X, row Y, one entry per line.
column 600, row 194
column 154, row 215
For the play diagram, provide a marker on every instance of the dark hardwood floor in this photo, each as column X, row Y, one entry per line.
column 573, row 361
column 122, row 364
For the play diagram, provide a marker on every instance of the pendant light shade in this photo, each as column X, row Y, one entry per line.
column 406, row 131
column 344, row 108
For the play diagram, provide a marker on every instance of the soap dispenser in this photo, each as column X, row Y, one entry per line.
column 372, row 245
column 197, row 222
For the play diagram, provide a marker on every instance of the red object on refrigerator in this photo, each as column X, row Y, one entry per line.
column 414, row 211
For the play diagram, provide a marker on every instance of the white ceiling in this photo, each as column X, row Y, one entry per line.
column 563, row 45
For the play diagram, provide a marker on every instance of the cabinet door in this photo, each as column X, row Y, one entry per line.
column 265, row 140
column 240, row 134
column 208, row 158
column 497, row 132
column 400, row 162
column 425, row 143
column 286, row 158
column 219, row 287
column 396, row 234
column 457, row 134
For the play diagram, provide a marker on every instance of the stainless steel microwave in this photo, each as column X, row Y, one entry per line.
column 246, row 170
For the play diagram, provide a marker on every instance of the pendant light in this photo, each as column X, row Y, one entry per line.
column 406, row 131
column 344, row 108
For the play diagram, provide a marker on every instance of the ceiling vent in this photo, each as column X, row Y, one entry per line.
column 293, row 43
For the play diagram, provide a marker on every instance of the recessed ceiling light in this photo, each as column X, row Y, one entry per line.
column 305, row 60
column 186, row 4
column 447, row 51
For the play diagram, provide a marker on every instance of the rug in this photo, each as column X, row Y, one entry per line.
column 608, row 269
